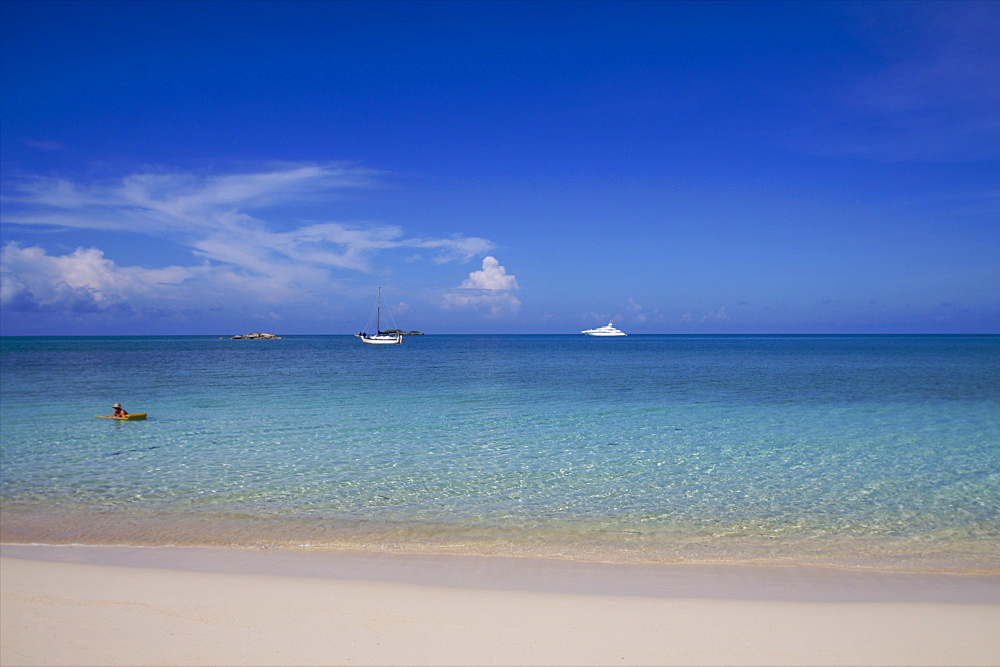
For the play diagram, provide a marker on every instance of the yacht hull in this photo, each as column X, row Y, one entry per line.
column 608, row 330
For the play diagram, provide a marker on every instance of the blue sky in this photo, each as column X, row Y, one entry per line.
column 499, row 167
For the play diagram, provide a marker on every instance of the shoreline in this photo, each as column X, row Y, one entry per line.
column 537, row 574
column 64, row 605
column 45, row 528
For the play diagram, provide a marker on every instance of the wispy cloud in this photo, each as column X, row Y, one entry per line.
column 155, row 202
column 227, row 222
column 637, row 313
column 716, row 316
column 492, row 288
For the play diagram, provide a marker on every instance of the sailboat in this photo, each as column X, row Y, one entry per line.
column 380, row 338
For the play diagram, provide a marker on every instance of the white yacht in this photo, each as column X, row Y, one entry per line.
column 604, row 331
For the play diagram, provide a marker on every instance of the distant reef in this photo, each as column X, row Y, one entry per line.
column 256, row 336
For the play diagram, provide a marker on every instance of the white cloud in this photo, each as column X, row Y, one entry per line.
column 225, row 220
column 81, row 280
column 491, row 288
column 493, row 277
column 86, row 280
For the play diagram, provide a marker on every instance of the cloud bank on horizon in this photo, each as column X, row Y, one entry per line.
column 530, row 167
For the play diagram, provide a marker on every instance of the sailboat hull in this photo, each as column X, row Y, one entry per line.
column 382, row 339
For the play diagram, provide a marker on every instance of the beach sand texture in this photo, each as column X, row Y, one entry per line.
column 59, row 612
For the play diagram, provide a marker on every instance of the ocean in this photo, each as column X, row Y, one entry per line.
column 877, row 452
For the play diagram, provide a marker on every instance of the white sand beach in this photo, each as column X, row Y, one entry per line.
column 211, row 607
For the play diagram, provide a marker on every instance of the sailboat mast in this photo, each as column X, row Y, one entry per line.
column 378, row 312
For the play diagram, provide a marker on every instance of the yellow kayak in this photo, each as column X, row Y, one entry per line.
column 138, row 415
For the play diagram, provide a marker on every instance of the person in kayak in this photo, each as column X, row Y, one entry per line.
column 119, row 412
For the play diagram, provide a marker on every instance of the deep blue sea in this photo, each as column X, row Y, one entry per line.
column 856, row 451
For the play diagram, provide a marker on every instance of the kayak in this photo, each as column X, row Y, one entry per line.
column 126, row 418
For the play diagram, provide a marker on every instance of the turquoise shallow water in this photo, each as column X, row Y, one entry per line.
column 870, row 451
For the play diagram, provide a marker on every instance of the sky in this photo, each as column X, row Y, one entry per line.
column 182, row 168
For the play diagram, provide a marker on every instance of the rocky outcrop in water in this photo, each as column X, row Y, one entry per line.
column 256, row 336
